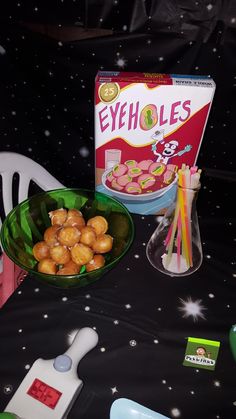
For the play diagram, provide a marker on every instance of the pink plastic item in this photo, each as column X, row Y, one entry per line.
column 10, row 277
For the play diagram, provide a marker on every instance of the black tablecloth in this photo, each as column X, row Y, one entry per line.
column 143, row 319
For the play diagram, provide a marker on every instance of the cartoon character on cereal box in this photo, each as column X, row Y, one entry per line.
column 166, row 150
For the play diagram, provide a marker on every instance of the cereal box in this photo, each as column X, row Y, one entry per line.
column 146, row 126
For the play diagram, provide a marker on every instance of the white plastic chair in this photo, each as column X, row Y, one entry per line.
column 28, row 170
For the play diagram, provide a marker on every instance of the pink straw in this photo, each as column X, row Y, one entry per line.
column 167, row 240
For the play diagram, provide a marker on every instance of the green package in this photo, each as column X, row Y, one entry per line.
column 201, row 353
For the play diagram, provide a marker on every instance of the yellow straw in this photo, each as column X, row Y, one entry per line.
column 184, row 232
column 185, row 218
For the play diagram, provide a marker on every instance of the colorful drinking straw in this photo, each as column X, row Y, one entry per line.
column 179, row 233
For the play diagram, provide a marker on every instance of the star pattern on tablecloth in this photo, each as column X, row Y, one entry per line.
column 114, row 390
column 191, row 308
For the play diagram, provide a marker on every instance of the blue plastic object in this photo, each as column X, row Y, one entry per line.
column 62, row 363
column 128, row 409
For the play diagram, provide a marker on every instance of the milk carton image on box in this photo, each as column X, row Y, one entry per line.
column 146, row 126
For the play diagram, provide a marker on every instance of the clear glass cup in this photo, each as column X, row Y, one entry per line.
column 112, row 157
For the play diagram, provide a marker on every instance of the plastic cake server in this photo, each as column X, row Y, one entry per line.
column 51, row 386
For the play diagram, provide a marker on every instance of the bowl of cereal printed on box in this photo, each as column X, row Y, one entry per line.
column 141, row 181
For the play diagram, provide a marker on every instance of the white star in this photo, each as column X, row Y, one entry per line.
column 121, row 62
column 84, row 151
column 175, row 412
column 8, row 389
column 127, row 306
column 114, row 390
column 216, row 383
column 192, row 308
column 209, row 6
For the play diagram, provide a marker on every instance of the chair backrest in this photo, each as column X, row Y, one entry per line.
column 28, row 170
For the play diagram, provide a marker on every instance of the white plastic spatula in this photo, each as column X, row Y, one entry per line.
column 51, row 386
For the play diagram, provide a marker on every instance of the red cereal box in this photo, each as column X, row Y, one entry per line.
column 146, row 126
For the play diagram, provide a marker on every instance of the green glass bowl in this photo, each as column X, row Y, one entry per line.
column 25, row 225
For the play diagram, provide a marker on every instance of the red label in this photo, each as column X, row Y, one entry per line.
column 44, row 393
